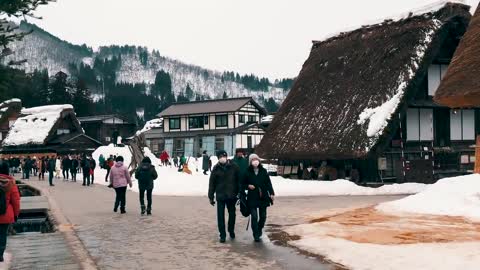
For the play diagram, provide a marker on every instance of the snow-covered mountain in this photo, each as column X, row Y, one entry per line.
column 44, row 50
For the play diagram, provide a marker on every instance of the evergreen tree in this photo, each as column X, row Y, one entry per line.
column 59, row 90
column 224, row 95
column 271, row 106
column 189, row 92
column 82, row 102
column 163, row 86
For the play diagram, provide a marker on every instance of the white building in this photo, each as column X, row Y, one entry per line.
column 211, row 125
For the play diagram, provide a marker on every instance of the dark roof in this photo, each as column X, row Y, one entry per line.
column 99, row 118
column 460, row 87
column 209, row 106
column 352, row 80
column 193, row 133
column 65, row 138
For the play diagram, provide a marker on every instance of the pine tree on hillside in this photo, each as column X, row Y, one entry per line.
column 189, row 92
column 59, row 90
column 162, row 87
column 82, row 101
column 40, row 87
column 271, row 106
column 224, row 95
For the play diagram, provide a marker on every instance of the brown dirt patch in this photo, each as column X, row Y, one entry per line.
column 367, row 225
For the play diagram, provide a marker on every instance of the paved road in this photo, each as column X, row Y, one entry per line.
column 181, row 233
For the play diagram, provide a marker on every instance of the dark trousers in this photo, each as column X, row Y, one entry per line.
column 50, row 177
column 73, row 172
column 86, row 179
column 108, row 172
column 3, row 237
column 65, row 173
column 230, row 205
column 120, row 198
column 149, row 198
column 92, row 176
column 259, row 217
column 27, row 174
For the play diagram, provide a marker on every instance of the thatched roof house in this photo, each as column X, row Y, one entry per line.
column 53, row 128
column 460, row 87
column 9, row 111
column 353, row 85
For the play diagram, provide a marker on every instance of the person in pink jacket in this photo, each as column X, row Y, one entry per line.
column 119, row 179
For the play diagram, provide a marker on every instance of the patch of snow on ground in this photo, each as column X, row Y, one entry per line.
column 457, row 196
column 173, row 183
column 35, row 125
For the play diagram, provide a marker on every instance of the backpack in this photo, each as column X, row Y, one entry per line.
column 244, row 209
column 142, row 174
column 3, row 202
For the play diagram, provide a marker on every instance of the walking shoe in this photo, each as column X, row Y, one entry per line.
column 52, row 185
column 1, row 259
column 149, row 212
column 83, row 184
column 222, row 240
column 257, row 239
column 232, row 235
column 143, row 210
column 115, row 209
column 122, row 211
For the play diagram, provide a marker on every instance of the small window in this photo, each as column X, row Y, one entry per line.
column 462, row 125
column 205, row 120
column 221, row 120
column 251, row 118
column 63, row 131
column 174, row 123
column 435, row 76
column 107, row 139
column 249, row 142
column 419, row 124
column 195, row 122
column 241, row 119
column 219, row 143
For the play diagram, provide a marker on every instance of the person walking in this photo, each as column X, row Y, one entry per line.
column 9, row 209
column 145, row 175
column 51, row 169
column 205, row 162
column 108, row 166
column 175, row 162
column 260, row 194
column 66, row 164
column 41, row 168
column 27, row 167
column 85, row 165
column 241, row 162
column 73, row 168
column 93, row 165
column 119, row 180
column 224, row 186
column 101, row 161
column 58, row 167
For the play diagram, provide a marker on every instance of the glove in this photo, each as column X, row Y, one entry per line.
column 212, row 202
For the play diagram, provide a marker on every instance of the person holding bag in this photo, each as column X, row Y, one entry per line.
column 119, row 180
column 260, row 194
column 145, row 175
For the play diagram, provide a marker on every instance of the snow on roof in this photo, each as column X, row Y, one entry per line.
column 8, row 102
column 35, row 125
column 267, row 119
column 154, row 123
column 430, row 8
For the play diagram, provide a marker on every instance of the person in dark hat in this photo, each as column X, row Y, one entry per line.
column 224, row 186
column 145, row 175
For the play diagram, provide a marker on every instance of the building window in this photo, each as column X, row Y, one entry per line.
column 435, row 75
column 174, row 123
column 221, row 120
column 462, row 125
column 178, row 147
column 205, row 121
column 251, row 119
column 249, row 142
column 419, row 124
column 241, row 119
column 107, row 139
column 63, row 131
column 195, row 122
column 219, row 143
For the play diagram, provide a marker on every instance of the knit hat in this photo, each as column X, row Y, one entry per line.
column 252, row 157
column 222, row 153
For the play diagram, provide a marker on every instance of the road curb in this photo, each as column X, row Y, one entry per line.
column 64, row 226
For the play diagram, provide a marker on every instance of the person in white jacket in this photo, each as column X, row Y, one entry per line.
column 58, row 167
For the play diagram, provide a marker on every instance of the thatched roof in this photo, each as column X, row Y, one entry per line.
column 8, row 107
column 460, row 87
column 351, row 86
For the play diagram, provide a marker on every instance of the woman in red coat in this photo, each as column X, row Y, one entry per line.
column 11, row 206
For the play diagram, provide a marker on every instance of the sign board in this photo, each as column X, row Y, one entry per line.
column 464, row 159
column 382, row 164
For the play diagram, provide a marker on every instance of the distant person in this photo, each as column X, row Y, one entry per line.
column 27, row 167
column 164, row 157
column 93, row 165
column 34, row 166
column 101, row 161
column 260, row 194
column 241, row 162
column 85, row 164
column 73, row 168
column 51, row 170
column 205, row 162
column 42, row 168
column 115, row 137
column 183, row 161
column 119, row 180
column 66, row 164
column 224, row 186
column 9, row 209
column 175, row 162
column 109, row 164
column 58, row 167
column 145, row 175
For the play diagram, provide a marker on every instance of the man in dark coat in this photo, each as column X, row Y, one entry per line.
column 4, row 167
column 260, row 194
column 145, row 174
column 93, row 165
column 241, row 162
column 27, row 167
column 224, row 186
column 205, row 162
column 51, row 170
column 66, row 164
column 85, row 170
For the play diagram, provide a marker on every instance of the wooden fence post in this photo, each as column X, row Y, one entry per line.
column 477, row 156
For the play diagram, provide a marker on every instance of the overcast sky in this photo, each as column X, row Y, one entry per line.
column 267, row 37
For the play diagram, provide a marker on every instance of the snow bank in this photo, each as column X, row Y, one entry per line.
column 114, row 151
column 35, row 125
column 457, row 196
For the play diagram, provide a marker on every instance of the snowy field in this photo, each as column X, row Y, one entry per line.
column 457, row 198
column 172, row 183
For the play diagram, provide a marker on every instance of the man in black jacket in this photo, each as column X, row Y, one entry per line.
column 51, row 170
column 224, row 187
